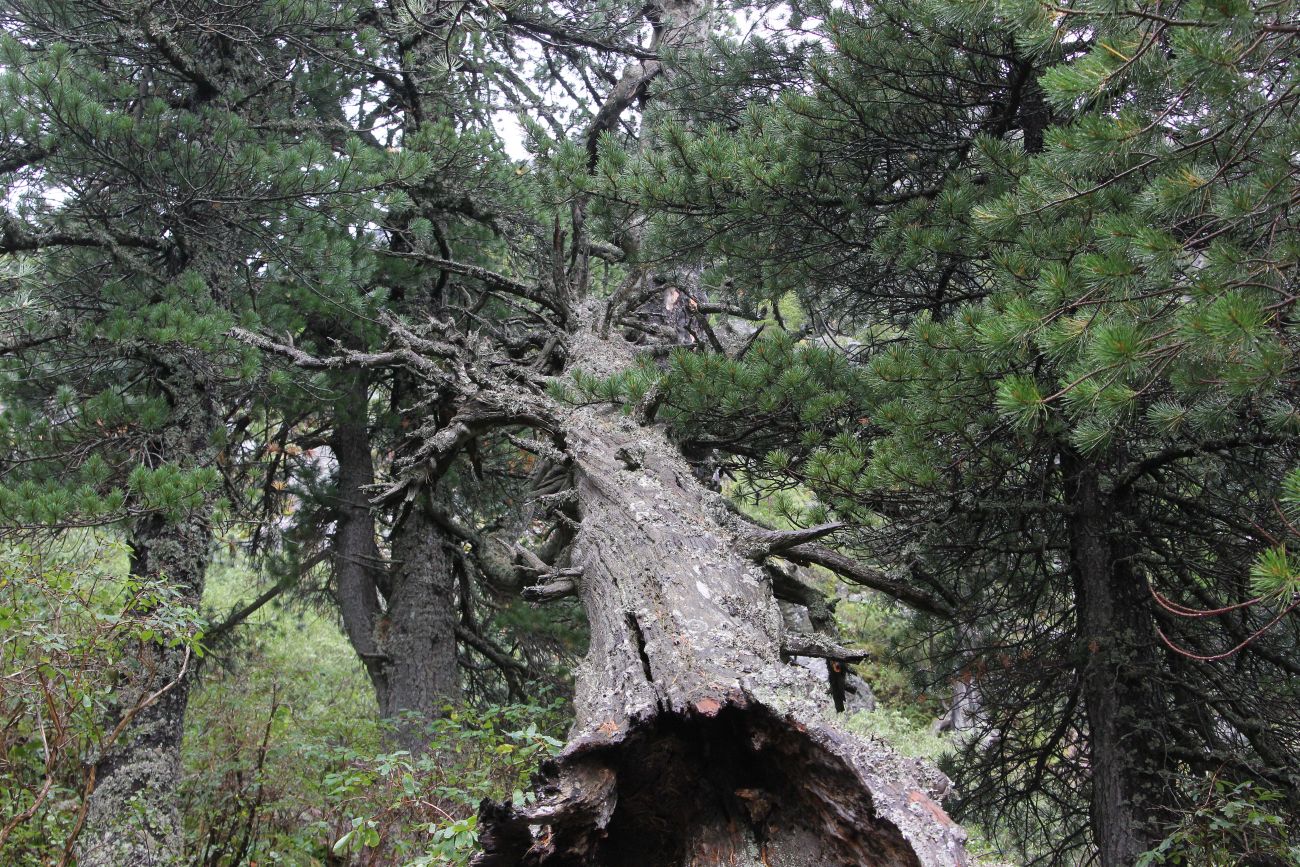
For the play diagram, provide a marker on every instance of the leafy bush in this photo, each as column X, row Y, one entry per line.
column 1233, row 824
column 422, row 810
column 75, row 633
column 336, row 797
column 285, row 763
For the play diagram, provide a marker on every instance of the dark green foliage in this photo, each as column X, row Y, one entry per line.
column 1061, row 251
column 154, row 206
column 1044, row 261
column 1230, row 822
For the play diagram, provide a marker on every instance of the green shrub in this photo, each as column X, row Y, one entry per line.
column 285, row 763
column 1233, row 824
column 75, row 632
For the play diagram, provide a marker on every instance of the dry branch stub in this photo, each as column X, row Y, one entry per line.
column 694, row 743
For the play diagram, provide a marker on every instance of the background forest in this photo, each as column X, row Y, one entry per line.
column 620, row 433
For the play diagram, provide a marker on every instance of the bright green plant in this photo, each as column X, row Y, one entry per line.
column 422, row 810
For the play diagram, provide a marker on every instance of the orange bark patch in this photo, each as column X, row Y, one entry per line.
column 916, row 797
column 708, row 706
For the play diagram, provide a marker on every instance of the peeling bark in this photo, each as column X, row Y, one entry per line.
column 694, row 743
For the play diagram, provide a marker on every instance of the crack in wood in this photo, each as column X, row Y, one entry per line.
column 639, row 636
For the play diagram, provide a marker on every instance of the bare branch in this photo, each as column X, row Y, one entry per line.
column 819, row 646
column 564, row 583
column 852, row 570
column 763, row 543
column 492, row 279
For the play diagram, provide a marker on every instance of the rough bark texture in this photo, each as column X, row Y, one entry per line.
column 356, row 555
column 418, row 635
column 694, row 743
column 1117, row 637
column 131, row 816
column 407, row 643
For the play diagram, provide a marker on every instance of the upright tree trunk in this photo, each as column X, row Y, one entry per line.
column 131, row 816
column 407, row 644
column 694, row 744
column 418, row 635
column 1116, row 640
column 357, row 561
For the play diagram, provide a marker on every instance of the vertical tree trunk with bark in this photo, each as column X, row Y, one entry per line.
column 1117, row 639
column 357, row 561
column 407, row 643
column 418, row 634
column 131, row 816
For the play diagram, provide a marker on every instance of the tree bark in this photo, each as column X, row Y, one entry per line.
column 131, row 816
column 356, row 556
column 418, row 635
column 694, row 744
column 1116, row 641
column 407, row 643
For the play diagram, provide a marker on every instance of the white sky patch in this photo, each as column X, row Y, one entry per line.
column 513, row 136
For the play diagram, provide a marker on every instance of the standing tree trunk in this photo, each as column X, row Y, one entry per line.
column 357, row 562
column 418, row 635
column 407, row 644
column 1116, row 640
column 131, row 816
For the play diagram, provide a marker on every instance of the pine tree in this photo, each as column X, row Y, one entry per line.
column 1060, row 245
column 155, row 194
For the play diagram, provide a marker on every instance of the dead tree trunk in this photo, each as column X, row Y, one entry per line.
column 694, row 744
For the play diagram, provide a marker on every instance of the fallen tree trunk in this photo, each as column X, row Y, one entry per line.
column 694, row 743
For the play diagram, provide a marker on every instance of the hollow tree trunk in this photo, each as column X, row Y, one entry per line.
column 131, row 816
column 694, row 744
column 1117, row 641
